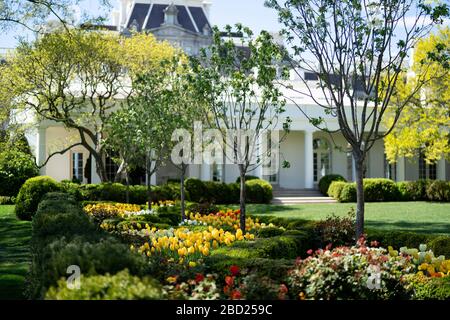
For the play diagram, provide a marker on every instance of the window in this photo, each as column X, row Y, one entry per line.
column 111, row 168
column 390, row 169
column 321, row 158
column 217, row 172
column 426, row 171
column 77, row 166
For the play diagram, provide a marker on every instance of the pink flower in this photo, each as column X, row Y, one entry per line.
column 309, row 252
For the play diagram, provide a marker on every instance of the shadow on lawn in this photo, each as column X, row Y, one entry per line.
column 14, row 254
column 418, row 227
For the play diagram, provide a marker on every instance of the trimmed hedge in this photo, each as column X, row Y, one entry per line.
column 62, row 235
column 325, row 182
column 257, row 191
column 378, row 190
column 121, row 286
column 440, row 246
column 31, row 193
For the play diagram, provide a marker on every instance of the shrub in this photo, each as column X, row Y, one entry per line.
column 335, row 189
column 121, row 286
column 348, row 193
column 426, row 288
column 258, row 191
column 413, row 190
column 343, row 273
column 325, row 182
column 398, row 239
column 106, row 255
column 440, row 246
column 195, row 190
column 337, row 230
column 380, row 190
column 203, row 208
column 438, row 191
column 247, row 178
column 31, row 193
column 16, row 167
column 269, row 232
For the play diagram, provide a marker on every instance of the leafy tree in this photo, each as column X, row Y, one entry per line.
column 16, row 167
column 141, row 131
column 357, row 50
column 34, row 14
column 77, row 79
column 236, row 80
column 423, row 125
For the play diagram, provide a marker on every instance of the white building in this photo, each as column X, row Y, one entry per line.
column 311, row 153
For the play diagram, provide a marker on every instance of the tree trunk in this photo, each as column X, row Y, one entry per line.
column 182, row 192
column 359, row 168
column 242, row 198
column 100, row 168
column 149, row 187
column 127, row 190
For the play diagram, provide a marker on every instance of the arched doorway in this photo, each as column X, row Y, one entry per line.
column 322, row 158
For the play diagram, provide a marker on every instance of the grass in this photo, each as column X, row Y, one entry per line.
column 421, row 217
column 14, row 253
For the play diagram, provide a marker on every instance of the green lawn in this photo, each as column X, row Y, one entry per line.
column 14, row 253
column 423, row 217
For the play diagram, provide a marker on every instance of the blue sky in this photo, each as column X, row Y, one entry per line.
column 251, row 13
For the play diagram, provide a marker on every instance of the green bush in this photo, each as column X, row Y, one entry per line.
column 106, row 255
column 335, row 189
column 325, row 182
column 31, row 193
column 247, row 178
column 16, row 167
column 425, row 288
column 348, row 193
column 440, row 246
column 413, row 190
column 376, row 190
column 438, row 191
column 121, row 286
column 269, row 232
column 398, row 239
column 195, row 190
column 258, row 191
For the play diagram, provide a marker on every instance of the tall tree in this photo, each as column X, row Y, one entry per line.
column 423, row 125
column 76, row 80
column 141, row 131
column 357, row 50
column 236, row 79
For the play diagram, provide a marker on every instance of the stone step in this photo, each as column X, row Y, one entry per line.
column 300, row 200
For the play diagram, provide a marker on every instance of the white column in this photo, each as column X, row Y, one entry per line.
column 41, row 148
column 401, row 169
column 206, row 172
column 308, row 156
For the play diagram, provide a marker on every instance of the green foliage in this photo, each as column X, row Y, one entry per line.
column 440, row 246
column 426, row 288
column 325, row 182
column 348, row 193
column 258, row 191
column 195, row 190
column 335, row 189
column 6, row 200
column 269, row 232
column 15, row 168
column 380, row 190
column 31, row 193
column 438, row 191
column 398, row 239
column 247, row 178
column 121, row 286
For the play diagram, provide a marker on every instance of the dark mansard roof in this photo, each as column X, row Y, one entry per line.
column 153, row 17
